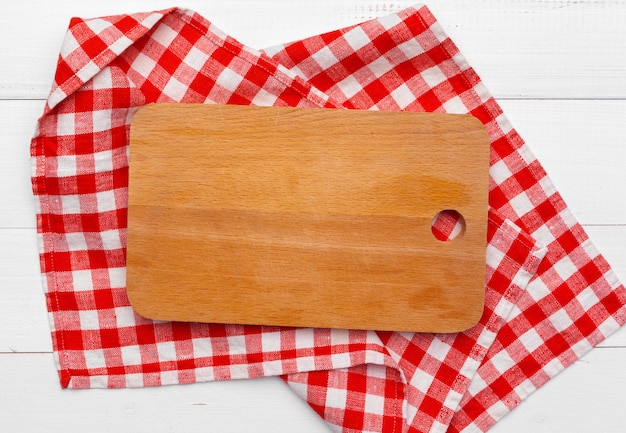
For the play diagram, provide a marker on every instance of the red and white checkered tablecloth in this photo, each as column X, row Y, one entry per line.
column 550, row 296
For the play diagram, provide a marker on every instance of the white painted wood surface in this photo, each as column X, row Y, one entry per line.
column 559, row 70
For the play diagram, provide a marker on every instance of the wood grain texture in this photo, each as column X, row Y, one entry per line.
column 306, row 217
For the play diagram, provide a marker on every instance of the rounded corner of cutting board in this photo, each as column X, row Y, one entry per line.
column 135, row 299
column 478, row 309
column 143, row 113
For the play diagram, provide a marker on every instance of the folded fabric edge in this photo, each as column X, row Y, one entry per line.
column 505, row 233
column 113, row 33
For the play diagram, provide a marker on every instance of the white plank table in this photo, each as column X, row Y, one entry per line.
column 557, row 67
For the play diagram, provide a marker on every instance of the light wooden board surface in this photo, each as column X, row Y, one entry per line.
column 557, row 67
column 325, row 213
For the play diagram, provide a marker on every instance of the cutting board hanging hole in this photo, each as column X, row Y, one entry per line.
column 448, row 225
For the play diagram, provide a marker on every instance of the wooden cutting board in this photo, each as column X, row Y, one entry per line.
column 306, row 217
